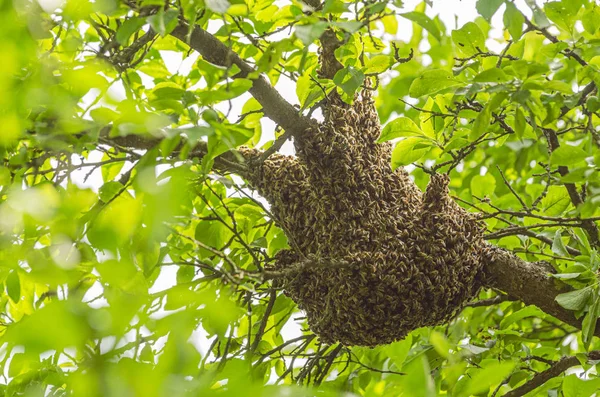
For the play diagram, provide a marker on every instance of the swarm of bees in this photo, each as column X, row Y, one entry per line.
column 409, row 259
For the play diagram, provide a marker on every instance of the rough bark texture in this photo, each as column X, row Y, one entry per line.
column 528, row 282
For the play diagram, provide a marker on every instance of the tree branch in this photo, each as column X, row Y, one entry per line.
column 274, row 105
column 528, row 282
column 231, row 161
column 556, row 369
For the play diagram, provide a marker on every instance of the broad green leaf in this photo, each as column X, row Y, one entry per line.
column 349, row 79
column 558, row 247
column 488, row 376
column 309, row 33
column 561, row 14
column 588, row 325
column 469, row 39
column 573, row 386
column 409, row 150
column 13, row 286
column 425, row 22
column 440, row 343
column 483, row 185
column 528, row 311
column 400, row 127
column 493, row 75
column 513, row 21
column 418, row 382
column 568, row 155
column 58, row 325
column 575, row 300
column 556, row 201
column 164, row 21
column 378, row 64
column 591, row 19
column 128, row 28
column 432, row 81
column 218, row 6
column 398, row 351
column 487, row 8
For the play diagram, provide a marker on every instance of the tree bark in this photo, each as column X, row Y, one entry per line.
column 528, row 282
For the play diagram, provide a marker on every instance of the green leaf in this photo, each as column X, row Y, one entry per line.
column 558, row 247
column 349, row 79
column 400, row 127
column 218, row 6
column 56, row 326
column 440, row 343
column 425, row 22
column 432, row 81
column 164, row 21
column 418, row 382
column 588, row 325
column 528, row 311
column 212, row 233
column 493, row 75
column 378, row 64
column 469, row 39
column 568, row 155
column 561, row 14
column 398, row 351
column 513, row 21
column 556, row 201
column 591, row 19
column 489, row 376
column 573, row 386
column 128, row 28
column 13, row 286
column 483, row 185
column 409, row 150
column 309, row 33
column 487, row 8
column 575, row 300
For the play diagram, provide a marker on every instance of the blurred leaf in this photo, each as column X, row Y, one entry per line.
column 487, row 8
column 489, row 376
column 432, row 81
column 13, row 286
column 425, row 22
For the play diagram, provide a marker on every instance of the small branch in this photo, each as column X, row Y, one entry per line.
column 490, row 302
column 274, row 105
column 556, row 369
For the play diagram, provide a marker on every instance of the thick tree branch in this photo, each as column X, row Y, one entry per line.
column 528, row 282
column 274, row 105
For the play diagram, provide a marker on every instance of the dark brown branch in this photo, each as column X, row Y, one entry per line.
column 556, row 369
column 568, row 53
column 588, row 225
column 274, row 105
column 231, row 161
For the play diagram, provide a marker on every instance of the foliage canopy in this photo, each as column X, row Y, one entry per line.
column 136, row 257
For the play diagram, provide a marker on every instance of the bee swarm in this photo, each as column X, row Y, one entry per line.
column 409, row 259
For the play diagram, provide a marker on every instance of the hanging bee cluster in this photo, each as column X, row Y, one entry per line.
column 373, row 256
